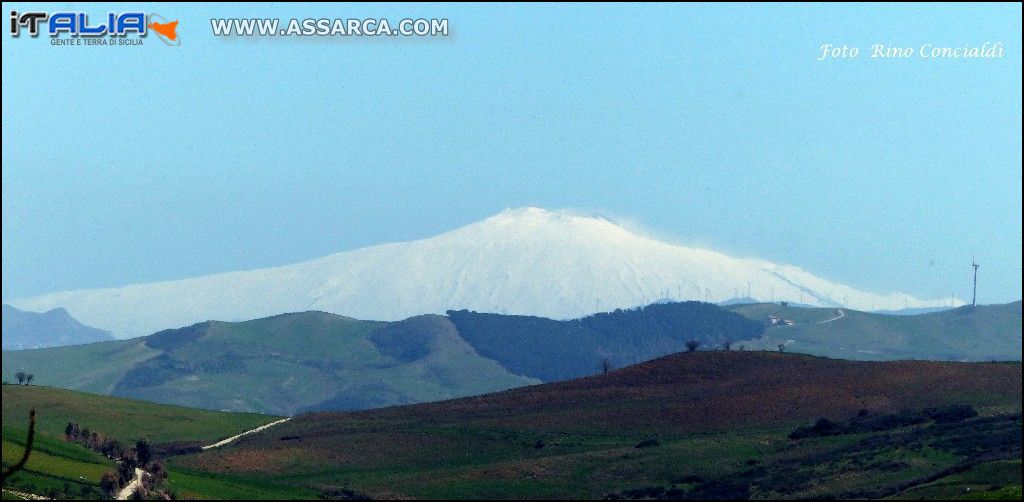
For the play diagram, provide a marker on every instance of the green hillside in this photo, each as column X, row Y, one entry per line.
column 280, row 364
column 982, row 333
column 56, row 469
column 96, row 367
column 124, row 419
column 305, row 361
column 292, row 363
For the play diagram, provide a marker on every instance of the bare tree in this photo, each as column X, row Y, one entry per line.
column 691, row 346
column 109, row 483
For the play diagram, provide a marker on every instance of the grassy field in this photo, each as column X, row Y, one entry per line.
column 64, row 470
column 55, row 467
column 193, row 484
column 989, row 481
column 124, row 419
column 509, row 464
column 55, row 463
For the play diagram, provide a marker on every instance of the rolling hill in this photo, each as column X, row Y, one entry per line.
column 66, row 470
column 705, row 424
column 279, row 365
column 982, row 333
column 54, row 328
column 552, row 350
column 314, row 360
column 735, row 425
column 526, row 261
column 124, row 419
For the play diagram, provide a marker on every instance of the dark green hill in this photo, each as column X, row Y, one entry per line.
column 559, row 350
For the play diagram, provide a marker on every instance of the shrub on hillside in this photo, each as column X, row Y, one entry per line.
column 343, row 494
column 647, row 443
column 865, row 422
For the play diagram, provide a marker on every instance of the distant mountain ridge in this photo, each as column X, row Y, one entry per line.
column 527, row 261
column 53, row 328
column 304, row 361
column 310, row 361
column 912, row 311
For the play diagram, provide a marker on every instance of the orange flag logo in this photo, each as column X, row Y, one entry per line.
column 168, row 30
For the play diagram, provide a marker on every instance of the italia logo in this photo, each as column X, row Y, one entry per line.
column 78, row 24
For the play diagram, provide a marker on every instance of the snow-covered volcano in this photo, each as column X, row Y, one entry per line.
column 520, row 261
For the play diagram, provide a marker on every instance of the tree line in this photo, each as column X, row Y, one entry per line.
column 126, row 458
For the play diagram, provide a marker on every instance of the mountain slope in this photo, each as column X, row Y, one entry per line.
column 54, row 328
column 559, row 350
column 290, row 362
column 715, row 390
column 281, row 364
column 982, row 333
column 525, row 261
column 314, row 360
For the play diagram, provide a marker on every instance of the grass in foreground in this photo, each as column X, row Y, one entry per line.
column 56, row 469
column 62, row 469
column 124, row 419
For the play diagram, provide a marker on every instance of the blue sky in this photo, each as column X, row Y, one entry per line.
column 709, row 125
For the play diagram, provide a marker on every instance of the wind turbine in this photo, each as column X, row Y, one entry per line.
column 974, row 297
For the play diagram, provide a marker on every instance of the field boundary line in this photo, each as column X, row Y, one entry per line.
column 261, row 428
